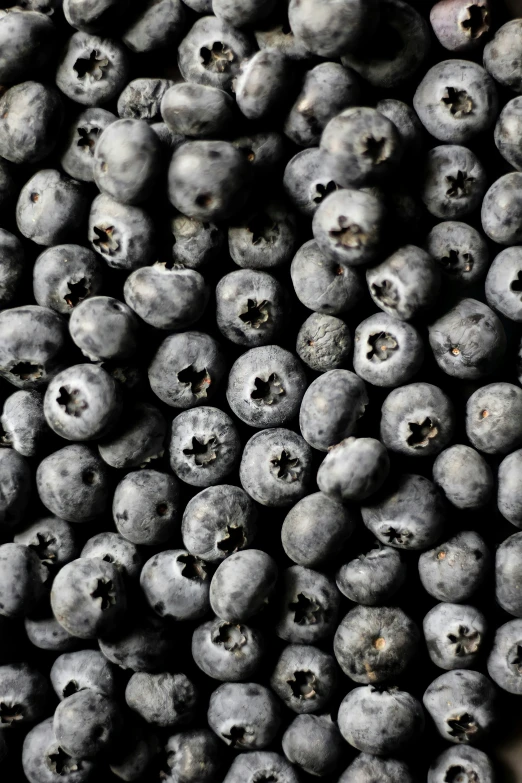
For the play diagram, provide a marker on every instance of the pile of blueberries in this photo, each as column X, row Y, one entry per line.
column 260, row 390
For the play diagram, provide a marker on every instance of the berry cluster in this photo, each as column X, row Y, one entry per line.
column 260, row 470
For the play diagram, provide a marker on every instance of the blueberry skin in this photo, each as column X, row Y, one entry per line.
column 353, row 469
column 264, row 152
column 22, row 577
column 453, row 182
column 402, row 24
column 266, row 386
column 166, row 296
column 197, row 110
column 331, row 29
column 86, row 724
column 113, row 548
column 262, row 84
column 456, row 100
column 23, row 422
column 141, row 99
column 240, row 13
column 406, row 284
column 331, row 407
column 507, row 569
column 501, row 210
column 176, row 585
column 207, row 179
column 158, row 24
column 460, row 28
column 196, row 243
column 263, row 238
column 82, row 402
column 242, row 584
column 226, row 651
column 509, row 497
column 104, row 329
column 504, row 658
column 80, row 670
column 95, row 17
column 122, row 234
column 24, row 694
column 507, row 131
column 204, row 446
column 308, row 606
column 250, row 307
column 468, row 341
column 246, row 767
column 51, row 208
column 502, row 52
column 145, row 507
column 407, row 123
column 456, row 568
column 161, row 699
column 315, row 529
column 324, row 343
column 276, row 467
column 277, row 34
column 193, row 756
column 53, row 541
column 30, row 118
column 186, row 369
column 408, row 515
column 366, row 768
column 308, row 178
column 326, row 90
column 457, row 760
column 145, row 645
column 373, row 644
column 380, row 720
column 387, row 352
column 7, row 184
column 219, row 521
column 364, row 144
column 347, row 226
column 462, row 706
column 322, row 284
column 15, row 488
column 74, row 483
column 212, row 51
column 65, row 275
column 417, row 420
column 454, row 635
column 502, row 282
column 92, row 70
column 12, row 266
column 46, row 633
column 246, row 716
column 314, row 744
column 27, row 43
column 464, row 476
column 494, row 418
column 372, row 579
column 138, row 439
column 77, row 157
column 41, row 754
column 305, row 678
column 88, row 597
column 460, row 251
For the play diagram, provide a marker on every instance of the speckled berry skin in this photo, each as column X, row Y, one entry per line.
column 500, row 52
column 226, row 651
column 461, row 26
column 308, row 604
column 99, row 84
column 462, row 705
column 162, row 699
column 315, row 528
column 504, row 659
column 83, row 669
column 122, row 234
column 22, row 578
column 137, row 440
column 500, row 213
column 41, row 748
column 324, row 343
column 250, row 307
column 323, row 285
column 145, row 507
column 309, row 177
column 246, row 767
column 176, row 585
column 507, row 568
column 460, row 251
column 502, row 283
column 473, row 761
column 453, row 183
column 242, row 584
column 455, row 635
column 494, row 418
column 509, row 495
column 368, row 767
column 204, row 446
column 314, row 744
column 455, row 569
column 354, row 469
column 387, row 352
column 507, row 132
column 372, row 579
column 244, row 715
column 264, row 237
column 155, row 26
column 194, row 756
column 87, row 723
column 464, row 476
column 305, row 678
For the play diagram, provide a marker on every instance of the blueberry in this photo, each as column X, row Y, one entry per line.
column 186, row 369
column 276, row 467
column 453, row 182
column 242, row 12
column 204, row 446
column 387, row 352
column 53, row 541
column 464, row 476
column 196, row 243
column 502, row 283
column 15, row 488
column 501, row 55
column 92, row 70
column 130, row 760
column 176, row 584
column 86, row 724
column 454, row 635
column 104, row 329
column 24, row 695
column 324, row 343
column 463, row 760
column 494, row 418
column 276, row 33
column 45, row 632
column 80, row 670
column 264, row 152
column 322, row 284
column 406, row 284
column 249, row 766
column 123, row 235
column 143, row 645
column 309, row 178
column 315, row 529
column 262, row 84
column 145, row 507
column 22, row 578
column 193, row 757
column 314, row 744
column 373, row 644
column 23, row 424
column 156, row 24
column 27, row 43
column 507, row 131
column 250, row 307
column 264, row 237
column 455, row 569
column 353, row 469
column 367, row 768
column 242, row 585
column 456, row 100
column 231, row 652
column 113, row 548
column 461, row 704
column 505, row 662
column 65, row 275
column 417, row 420
column 74, row 483
column 459, row 25
column 77, row 157
column 373, row 578
column 380, row 720
column 43, row 759
column 304, row 678
column 460, row 251
column 407, row 123
column 507, row 568
column 332, row 29
column 51, row 207
column 197, row 110
column 501, row 210
column 141, row 99
column 509, row 497
column 30, row 118
column 97, row 16
column 136, row 440
column 12, row 266
column 308, row 606
column 161, row 699
column 207, row 179
column 244, row 715
column 397, row 48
